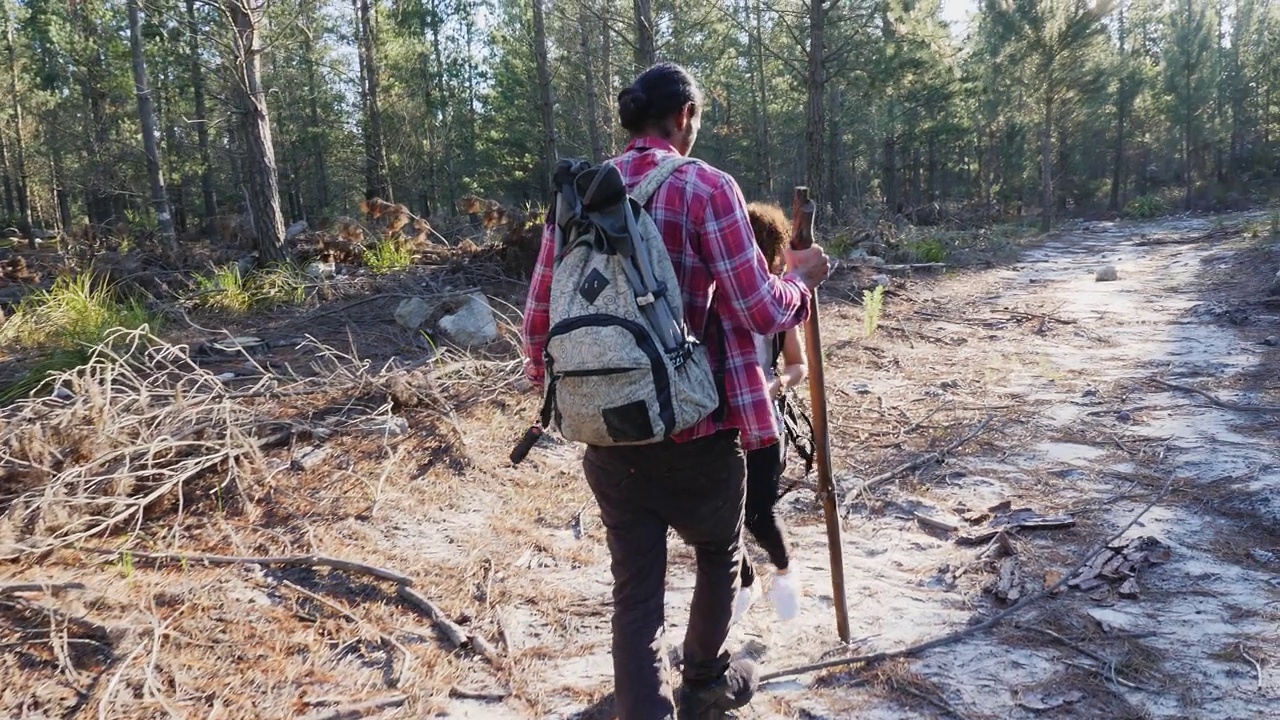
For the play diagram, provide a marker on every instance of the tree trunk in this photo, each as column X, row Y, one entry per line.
column 646, row 50
column 763, row 143
column 207, row 191
column 9, row 209
column 147, row 118
column 816, row 86
column 316, row 132
column 593, row 97
column 60, row 195
column 606, row 61
column 19, row 150
column 260, row 157
column 1117, row 167
column 378, row 183
column 545, row 100
column 1046, row 160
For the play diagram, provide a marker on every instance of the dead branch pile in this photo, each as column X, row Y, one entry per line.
column 142, row 431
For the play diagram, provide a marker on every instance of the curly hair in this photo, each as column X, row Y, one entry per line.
column 771, row 228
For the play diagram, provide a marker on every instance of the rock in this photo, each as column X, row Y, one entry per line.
column 1271, row 340
column 411, row 313
column 320, row 270
column 1106, row 273
column 295, row 230
column 473, row 324
column 880, row 281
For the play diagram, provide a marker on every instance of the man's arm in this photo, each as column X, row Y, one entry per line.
column 537, row 307
column 752, row 297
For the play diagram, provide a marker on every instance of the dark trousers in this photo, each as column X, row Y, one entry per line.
column 697, row 489
column 764, row 467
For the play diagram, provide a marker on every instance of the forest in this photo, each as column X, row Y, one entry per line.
column 183, row 116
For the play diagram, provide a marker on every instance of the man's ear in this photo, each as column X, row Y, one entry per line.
column 685, row 116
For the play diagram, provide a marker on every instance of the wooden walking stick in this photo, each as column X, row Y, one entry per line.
column 802, row 211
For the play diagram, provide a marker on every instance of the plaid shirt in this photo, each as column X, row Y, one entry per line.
column 702, row 216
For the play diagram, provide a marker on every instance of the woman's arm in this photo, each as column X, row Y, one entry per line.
column 794, row 366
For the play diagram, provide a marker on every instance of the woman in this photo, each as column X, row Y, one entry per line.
column 765, row 465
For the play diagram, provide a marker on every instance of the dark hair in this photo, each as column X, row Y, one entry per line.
column 658, row 94
column 771, row 228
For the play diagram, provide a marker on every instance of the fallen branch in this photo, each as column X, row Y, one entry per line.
column 287, row 561
column 1216, row 401
column 1107, row 664
column 1107, row 674
column 457, row 635
column 359, row 710
column 982, row 626
column 922, row 461
column 11, row 588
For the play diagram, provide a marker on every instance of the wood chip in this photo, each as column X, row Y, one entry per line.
column 308, row 458
column 936, row 523
column 1129, row 589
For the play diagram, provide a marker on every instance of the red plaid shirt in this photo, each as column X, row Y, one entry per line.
column 702, row 216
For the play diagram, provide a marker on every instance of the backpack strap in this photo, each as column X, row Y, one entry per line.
column 657, row 176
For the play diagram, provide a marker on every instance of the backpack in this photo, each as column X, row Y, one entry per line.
column 621, row 365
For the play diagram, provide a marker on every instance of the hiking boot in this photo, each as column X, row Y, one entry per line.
column 713, row 702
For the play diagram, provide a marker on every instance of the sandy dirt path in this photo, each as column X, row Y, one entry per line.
column 1066, row 367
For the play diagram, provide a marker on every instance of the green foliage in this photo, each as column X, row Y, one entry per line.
column 390, row 254
column 76, row 312
column 1145, row 207
column 872, row 304
column 227, row 290
column 929, row 250
column 66, row 321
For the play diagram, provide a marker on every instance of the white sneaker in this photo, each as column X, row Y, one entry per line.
column 746, row 596
column 785, row 596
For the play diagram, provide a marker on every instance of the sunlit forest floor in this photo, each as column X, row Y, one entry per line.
column 180, row 503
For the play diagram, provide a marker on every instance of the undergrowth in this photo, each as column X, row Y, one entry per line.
column 227, row 289
column 66, row 320
column 389, row 255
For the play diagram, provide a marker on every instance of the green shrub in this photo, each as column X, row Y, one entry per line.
column 228, row 290
column 78, row 310
column 67, row 321
column 1144, row 207
column 389, row 255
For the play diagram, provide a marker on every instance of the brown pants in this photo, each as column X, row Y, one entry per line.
column 697, row 489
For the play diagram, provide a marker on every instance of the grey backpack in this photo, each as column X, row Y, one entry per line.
column 621, row 365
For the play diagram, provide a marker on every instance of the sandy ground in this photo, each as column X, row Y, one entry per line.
column 1064, row 366
column 1092, row 437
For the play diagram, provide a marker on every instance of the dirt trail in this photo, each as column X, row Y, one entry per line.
column 1063, row 369
column 1064, row 363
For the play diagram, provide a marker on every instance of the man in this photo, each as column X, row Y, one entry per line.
column 694, row 481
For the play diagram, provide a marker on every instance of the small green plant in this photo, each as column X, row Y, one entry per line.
column 228, row 290
column 872, row 304
column 125, row 564
column 930, row 250
column 1145, row 207
column 280, row 285
column 390, row 255
column 77, row 311
column 224, row 289
column 1275, row 226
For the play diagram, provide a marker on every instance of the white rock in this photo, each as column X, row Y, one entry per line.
column 473, row 324
column 1107, row 273
column 411, row 313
